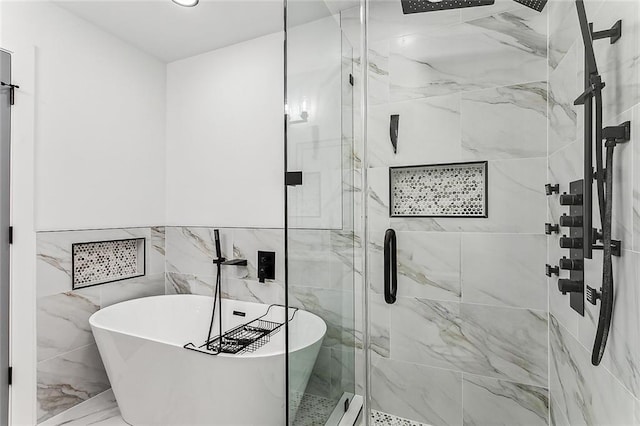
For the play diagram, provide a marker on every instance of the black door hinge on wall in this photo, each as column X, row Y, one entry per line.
column 10, row 376
column 12, row 91
column 11, row 235
column 351, row 79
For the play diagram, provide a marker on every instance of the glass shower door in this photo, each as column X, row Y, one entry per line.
column 319, row 224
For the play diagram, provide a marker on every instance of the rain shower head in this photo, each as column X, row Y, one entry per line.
column 419, row 6
column 536, row 5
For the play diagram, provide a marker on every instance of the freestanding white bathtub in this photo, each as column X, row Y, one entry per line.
column 158, row 382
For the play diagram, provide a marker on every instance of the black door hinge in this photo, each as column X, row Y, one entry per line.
column 10, row 376
column 293, row 178
column 11, row 235
column 12, row 91
column 351, row 79
column 346, row 405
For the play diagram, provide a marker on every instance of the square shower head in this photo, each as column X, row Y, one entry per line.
column 419, row 6
column 537, row 5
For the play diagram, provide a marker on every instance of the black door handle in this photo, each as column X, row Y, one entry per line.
column 390, row 267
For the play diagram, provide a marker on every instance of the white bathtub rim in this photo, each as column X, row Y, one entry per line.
column 94, row 321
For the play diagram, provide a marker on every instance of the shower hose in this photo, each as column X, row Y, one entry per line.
column 604, row 178
column 217, row 299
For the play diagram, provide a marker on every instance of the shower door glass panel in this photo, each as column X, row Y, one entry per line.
column 469, row 324
column 320, row 237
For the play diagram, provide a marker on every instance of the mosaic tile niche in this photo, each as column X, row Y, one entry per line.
column 440, row 190
column 107, row 261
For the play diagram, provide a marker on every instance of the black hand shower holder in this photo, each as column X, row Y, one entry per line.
column 586, row 240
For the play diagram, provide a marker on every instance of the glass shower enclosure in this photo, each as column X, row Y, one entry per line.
column 320, row 229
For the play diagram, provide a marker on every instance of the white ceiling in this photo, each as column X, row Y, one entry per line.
column 171, row 32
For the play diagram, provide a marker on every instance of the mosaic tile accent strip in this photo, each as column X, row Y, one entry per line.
column 106, row 261
column 314, row 410
column 439, row 190
column 378, row 418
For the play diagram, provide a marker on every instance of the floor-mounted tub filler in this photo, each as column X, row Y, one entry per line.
column 157, row 381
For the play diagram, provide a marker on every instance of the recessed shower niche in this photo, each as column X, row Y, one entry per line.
column 439, row 190
column 107, row 261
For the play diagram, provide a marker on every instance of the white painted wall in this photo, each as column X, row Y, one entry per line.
column 225, row 136
column 99, row 113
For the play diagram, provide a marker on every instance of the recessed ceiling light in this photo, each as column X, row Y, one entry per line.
column 186, row 3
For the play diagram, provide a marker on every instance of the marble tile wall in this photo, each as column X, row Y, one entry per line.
column 321, row 265
column 467, row 340
column 69, row 369
column 609, row 394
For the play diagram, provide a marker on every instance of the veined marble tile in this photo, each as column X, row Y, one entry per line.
column 53, row 263
column 563, row 90
column 156, row 247
column 334, row 307
column 63, row 321
column 378, row 90
column 342, row 371
column 635, row 132
column 505, row 122
column 247, row 243
column 416, row 392
column 320, row 380
column 516, row 202
column 622, row 354
column 176, row 283
column 491, row 341
column 119, row 291
column 556, row 416
column 101, row 410
column 428, row 132
column 379, row 325
column 505, row 270
column 387, row 21
column 67, row 380
column 585, row 394
column 499, row 402
column 499, row 50
column 428, row 264
column 191, row 250
column 253, row 291
column 619, row 63
column 564, row 30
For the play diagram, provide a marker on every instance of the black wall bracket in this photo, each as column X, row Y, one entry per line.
column 293, row 178
column 613, row 34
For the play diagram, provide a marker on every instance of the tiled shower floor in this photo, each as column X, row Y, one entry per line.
column 378, row 418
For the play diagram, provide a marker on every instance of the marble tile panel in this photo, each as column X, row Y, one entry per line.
column 491, row 341
column 120, row 291
column 499, row 402
column 191, row 250
column 101, row 410
column 428, row 264
column 176, row 283
column 428, row 132
column 417, row 392
column 63, row 321
column 504, row 270
column 498, row 50
column 563, row 90
column 586, row 395
column 69, row 379
column 505, row 122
